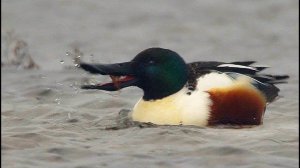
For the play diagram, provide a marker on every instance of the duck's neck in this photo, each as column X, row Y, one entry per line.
column 159, row 92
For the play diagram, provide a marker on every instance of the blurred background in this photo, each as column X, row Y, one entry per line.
column 114, row 30
column 48, row 121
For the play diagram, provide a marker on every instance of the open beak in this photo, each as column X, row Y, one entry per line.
column 121, row 74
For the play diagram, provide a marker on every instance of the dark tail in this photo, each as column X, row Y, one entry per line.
column 266, row 83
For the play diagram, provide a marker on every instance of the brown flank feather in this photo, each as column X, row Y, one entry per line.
column 239, row 104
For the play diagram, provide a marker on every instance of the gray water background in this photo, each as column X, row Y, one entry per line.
column 47, row 121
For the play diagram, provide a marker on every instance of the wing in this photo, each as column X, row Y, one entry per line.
column 263, row 82
column 240, row 67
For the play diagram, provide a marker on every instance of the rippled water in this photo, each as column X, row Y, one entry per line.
column 48, row 121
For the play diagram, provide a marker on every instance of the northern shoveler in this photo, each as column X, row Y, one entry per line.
column 198, row 93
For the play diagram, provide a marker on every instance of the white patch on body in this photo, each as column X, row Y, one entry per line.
column 237, row 66
column 213, row 80
column 182, row 108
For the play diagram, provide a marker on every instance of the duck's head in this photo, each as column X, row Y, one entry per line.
column 158, row 72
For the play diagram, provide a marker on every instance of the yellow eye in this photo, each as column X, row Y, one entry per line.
column 151, row 62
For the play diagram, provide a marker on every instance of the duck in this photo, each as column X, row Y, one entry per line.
column 203, row 93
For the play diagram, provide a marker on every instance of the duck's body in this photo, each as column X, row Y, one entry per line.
column 217, row 99
column 200, row 93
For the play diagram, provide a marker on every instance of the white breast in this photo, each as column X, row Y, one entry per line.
column 182, row 108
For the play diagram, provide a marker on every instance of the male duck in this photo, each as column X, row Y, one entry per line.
column 198, row 93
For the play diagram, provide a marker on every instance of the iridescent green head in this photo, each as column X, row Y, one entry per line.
column 158, row 72
column 161, row 72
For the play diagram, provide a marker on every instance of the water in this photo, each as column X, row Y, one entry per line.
column 48, row 121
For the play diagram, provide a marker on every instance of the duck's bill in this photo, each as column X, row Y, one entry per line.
column 121, row 75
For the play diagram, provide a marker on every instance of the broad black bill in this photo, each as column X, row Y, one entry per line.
column 121, row 74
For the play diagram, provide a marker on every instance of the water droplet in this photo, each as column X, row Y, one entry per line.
column 76, row 65
column 57, row 100
column 73, row 87
column 68, row 53
column 62, row 61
